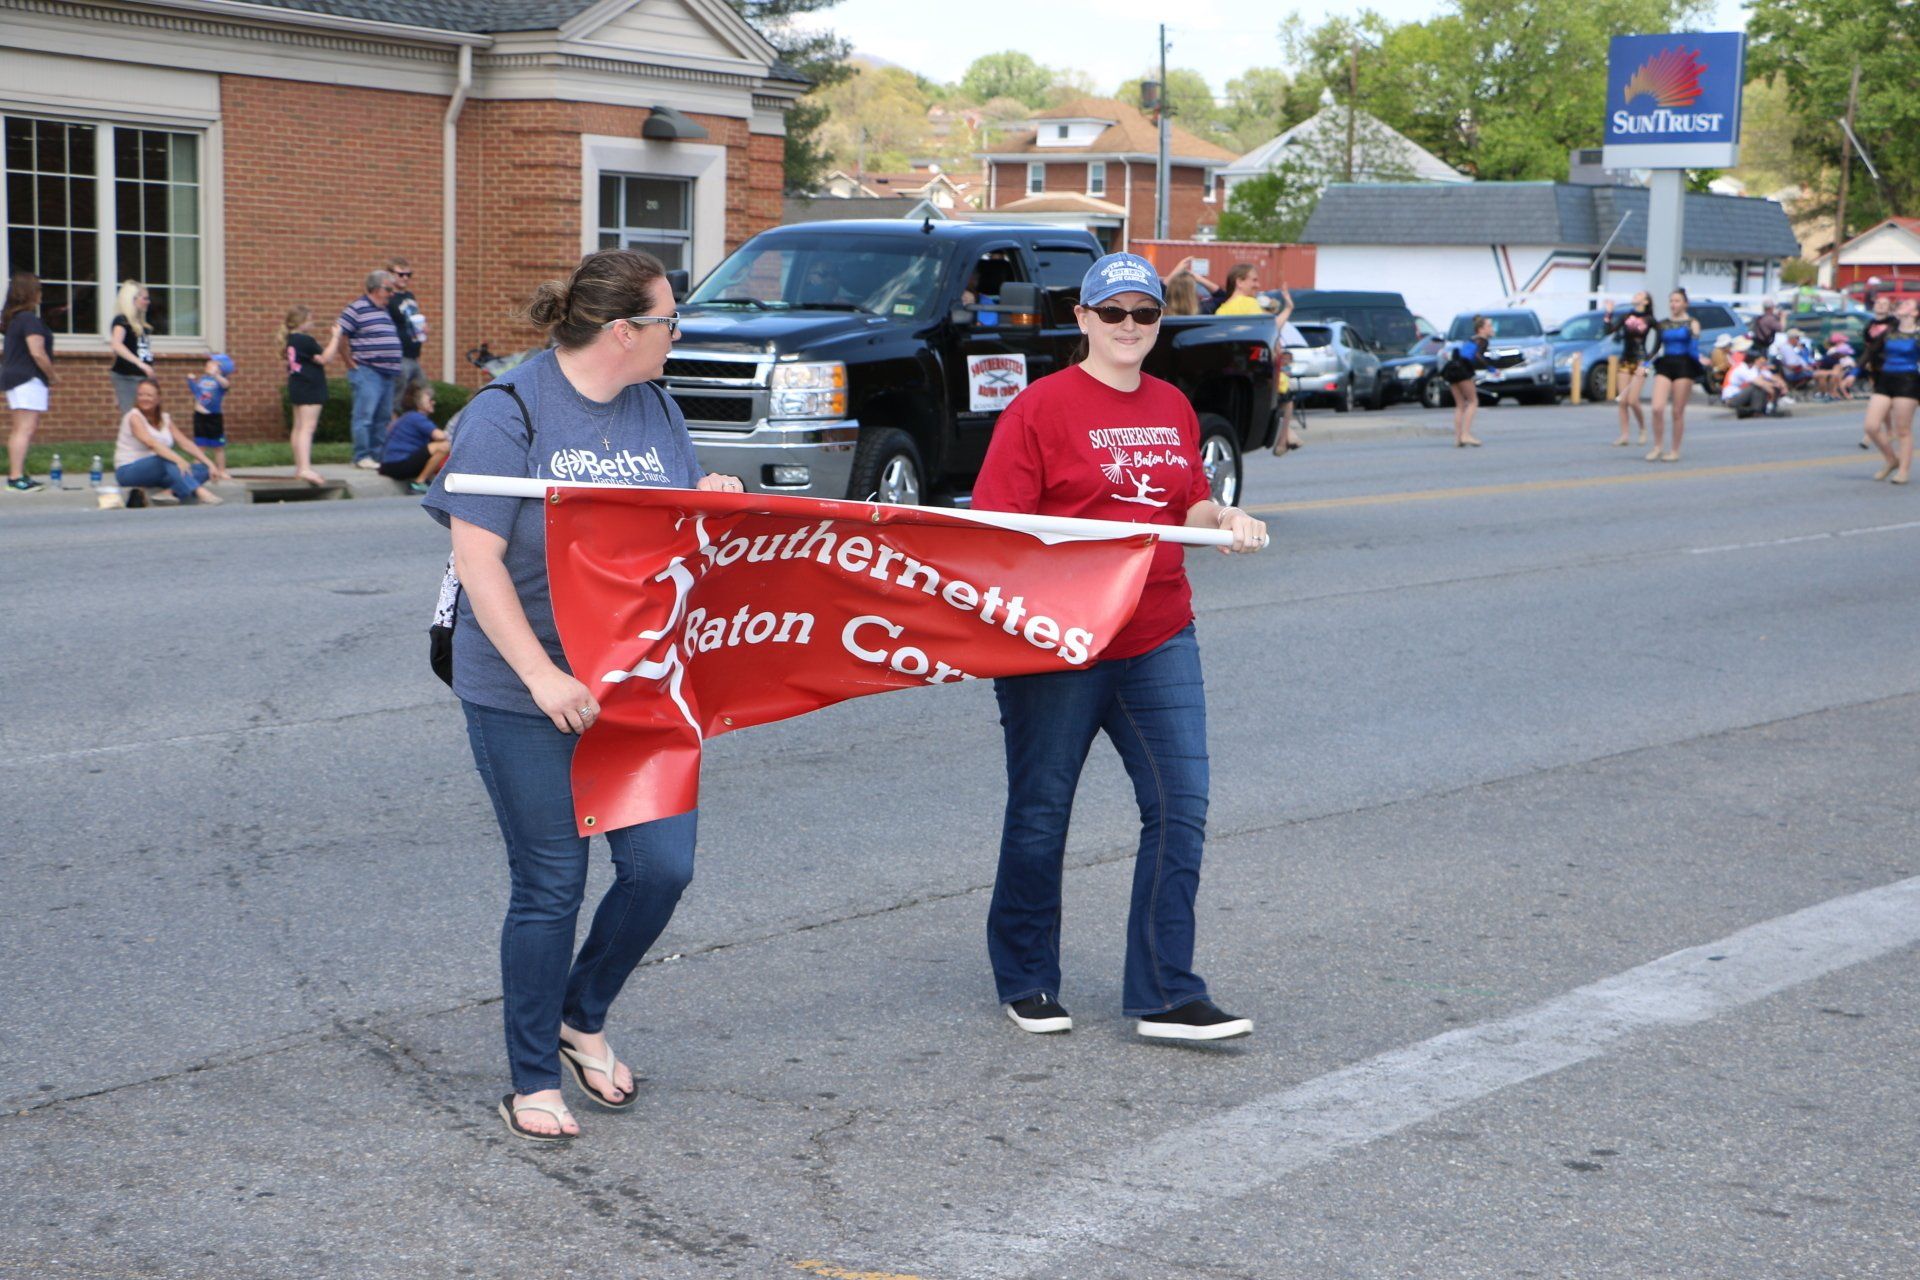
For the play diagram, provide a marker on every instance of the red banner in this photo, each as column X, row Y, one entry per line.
column 691, row 614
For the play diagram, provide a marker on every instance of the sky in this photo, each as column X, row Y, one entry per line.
column 1111, row 40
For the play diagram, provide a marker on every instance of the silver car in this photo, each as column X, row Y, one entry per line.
column 1331, row 365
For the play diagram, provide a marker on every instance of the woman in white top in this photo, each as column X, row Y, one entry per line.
column 146, row 455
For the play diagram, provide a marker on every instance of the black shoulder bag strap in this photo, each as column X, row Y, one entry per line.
column 446, row 614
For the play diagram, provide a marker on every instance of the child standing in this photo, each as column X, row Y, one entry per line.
column 306, row 383
column 209, row 394
column 416, row 449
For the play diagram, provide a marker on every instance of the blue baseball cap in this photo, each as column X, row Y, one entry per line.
column 224, row 363
column 1119, row 273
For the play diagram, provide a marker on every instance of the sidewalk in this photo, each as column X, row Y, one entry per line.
column 251, row 484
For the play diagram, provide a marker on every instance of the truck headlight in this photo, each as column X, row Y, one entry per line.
column 1407, row 372
column 809, row 390
column 1539, row 353
column 1562, row 362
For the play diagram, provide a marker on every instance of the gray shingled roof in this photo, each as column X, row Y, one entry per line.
column 1549, row 213
column 476, row 16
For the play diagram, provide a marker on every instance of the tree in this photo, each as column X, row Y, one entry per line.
column 1264, row 101
column 1007, row 75
column 876, row 119
column 1501, row 88
column 1187, row 92
column 819, row 56
column 1271, row 208
column 1812, row 50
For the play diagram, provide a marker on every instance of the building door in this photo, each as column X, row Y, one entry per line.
column 654, row 215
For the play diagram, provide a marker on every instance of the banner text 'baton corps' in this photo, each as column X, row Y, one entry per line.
column 689, row 614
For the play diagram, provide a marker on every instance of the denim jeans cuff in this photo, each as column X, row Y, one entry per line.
column 535, row 1086
column 1154, row 1013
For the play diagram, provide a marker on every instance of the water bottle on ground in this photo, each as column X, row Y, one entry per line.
column 54, row 473
column 93, row 473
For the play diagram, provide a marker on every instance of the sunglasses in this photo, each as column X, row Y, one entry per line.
column 404, row 275
column 1142, row 316
column 672, row 322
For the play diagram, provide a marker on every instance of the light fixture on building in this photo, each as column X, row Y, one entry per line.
column 669, row 125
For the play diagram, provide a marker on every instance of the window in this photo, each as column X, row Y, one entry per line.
column 1060, row 131
column 1212, row 177
column 651, row 214
column 82, row 244
column 1063, row 266
column 1097, row 178
column 1036, row 179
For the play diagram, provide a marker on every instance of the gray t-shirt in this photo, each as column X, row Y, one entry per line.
column 638, row 439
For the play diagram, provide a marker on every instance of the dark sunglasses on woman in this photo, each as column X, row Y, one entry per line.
column 1114, row 315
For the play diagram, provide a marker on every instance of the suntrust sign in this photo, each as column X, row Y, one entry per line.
column 1673, row 101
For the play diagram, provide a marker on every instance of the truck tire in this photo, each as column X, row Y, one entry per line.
column 887, row 468
column 1220, row 456
column 1434, row 395
column 1343, row 398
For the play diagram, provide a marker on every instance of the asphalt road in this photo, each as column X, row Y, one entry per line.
column 1564, row 848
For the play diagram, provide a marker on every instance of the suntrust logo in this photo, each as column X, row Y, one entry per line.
column 1671, row 78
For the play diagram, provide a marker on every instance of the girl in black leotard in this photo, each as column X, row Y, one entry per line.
column 1874, row 429
column 1634, row 327
column 1461, row 364
column 1675, row 348
column 1894, row 351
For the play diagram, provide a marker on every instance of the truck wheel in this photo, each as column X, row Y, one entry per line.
column 1220, row 456
column 1343, row 398
column 886, row 468
column 1434, row 394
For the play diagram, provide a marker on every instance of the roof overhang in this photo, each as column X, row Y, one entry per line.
column 273, row 15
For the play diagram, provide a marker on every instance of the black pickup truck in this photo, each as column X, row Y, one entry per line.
column 871, row 359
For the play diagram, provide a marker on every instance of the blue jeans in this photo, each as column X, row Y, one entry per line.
column 523, row 760
column 154, row 471
column 1153, row 708
column 373, row 393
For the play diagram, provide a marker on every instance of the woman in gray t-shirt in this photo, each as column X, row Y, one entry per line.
column 592, row 418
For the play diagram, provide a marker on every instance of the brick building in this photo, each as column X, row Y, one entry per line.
column 239, row 157
column 1092, row 164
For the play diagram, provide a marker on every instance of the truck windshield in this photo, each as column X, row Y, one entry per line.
column 885, row 278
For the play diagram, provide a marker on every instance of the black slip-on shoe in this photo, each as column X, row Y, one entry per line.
column 1200, row 1020
column 1040, row 1014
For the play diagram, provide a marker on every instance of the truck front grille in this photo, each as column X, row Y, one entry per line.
column 699, row 408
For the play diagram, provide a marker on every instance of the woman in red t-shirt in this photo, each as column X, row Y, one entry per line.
column 1101, row 439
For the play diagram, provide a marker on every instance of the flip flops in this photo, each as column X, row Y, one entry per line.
column 510, row 1113
column 580, row 1063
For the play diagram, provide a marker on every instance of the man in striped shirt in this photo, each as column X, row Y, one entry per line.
column 374, row 347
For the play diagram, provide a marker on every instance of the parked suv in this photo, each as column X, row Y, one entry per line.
column 1334, row 368
column 1515, row 332
column 1378, row 321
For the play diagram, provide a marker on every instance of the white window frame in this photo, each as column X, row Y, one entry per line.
column 1100, row 167
column 704, row 164
column 1036, row 169
column 211, row 213
column 1212, row 177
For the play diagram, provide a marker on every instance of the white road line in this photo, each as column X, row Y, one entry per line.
column 1805, row 537
column 1261, row 1142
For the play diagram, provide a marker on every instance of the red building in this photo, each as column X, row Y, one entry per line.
column 1888, row 252
column 237, row 158
column 1092, row 164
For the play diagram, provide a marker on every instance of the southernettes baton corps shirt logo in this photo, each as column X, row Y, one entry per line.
column 1133, row 458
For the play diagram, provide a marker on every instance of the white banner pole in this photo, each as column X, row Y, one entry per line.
column 1058, row 526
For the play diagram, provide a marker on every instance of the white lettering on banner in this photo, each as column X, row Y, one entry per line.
column 993, row 381
column 1661, row 120
column 704, row 634
column 907, row 659
column 625, row 467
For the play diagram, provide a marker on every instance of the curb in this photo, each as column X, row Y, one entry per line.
column 256, row 485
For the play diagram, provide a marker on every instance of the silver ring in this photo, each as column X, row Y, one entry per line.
column 585, row 711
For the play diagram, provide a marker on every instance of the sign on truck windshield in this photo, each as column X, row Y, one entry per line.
column 879, row 277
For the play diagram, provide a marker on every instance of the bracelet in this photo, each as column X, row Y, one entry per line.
column 1220, row 521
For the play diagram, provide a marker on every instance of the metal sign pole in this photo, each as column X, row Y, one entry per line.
column 1666, row 232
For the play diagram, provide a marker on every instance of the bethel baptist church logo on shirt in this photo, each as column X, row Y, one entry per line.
column 1132, row 453
column 624, row 467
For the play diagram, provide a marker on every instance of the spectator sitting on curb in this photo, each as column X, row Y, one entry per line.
column 1796, row 360
column 209, row 392
column 373, row 348
column 1753, row 388
column 1834, row 372
column 416, row 449
column 145, row 456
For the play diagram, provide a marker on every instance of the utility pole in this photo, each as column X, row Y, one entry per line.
column 1166, row 126
column 1846, row 172
column 1353, row 96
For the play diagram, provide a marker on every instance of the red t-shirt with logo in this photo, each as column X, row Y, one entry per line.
column 1070, row 445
